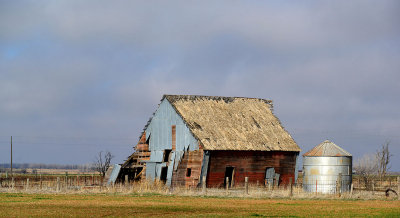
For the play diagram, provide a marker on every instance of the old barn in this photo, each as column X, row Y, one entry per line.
column 192, row 136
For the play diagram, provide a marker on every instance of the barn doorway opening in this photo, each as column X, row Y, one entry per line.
column 269, row 176
column 230, row 173
column 163, row 176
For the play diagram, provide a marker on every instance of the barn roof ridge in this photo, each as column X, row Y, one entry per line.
column 173, row 98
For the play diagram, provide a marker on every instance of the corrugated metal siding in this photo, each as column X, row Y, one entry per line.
column 114, row 174
column 160, row 133
column 327, row 149
column 170, row 169
column 321, row 173
column 204, row 167
column 156, row 156
column 150, row 171
column 296, row 171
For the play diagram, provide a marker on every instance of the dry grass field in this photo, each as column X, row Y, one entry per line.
column 155, row 205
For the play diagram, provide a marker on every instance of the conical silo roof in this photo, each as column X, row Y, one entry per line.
column 327, row 149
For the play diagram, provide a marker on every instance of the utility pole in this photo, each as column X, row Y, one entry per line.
column 11, row 159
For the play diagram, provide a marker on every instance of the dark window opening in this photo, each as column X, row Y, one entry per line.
column 148, row 140
column 164, row 173
column 188, row 172
column 167, row 153
column 230, row 173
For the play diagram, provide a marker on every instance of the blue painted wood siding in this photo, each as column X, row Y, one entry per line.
column 160, row 133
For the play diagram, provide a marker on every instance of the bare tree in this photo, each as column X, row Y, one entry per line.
column 383, row 159
column 366, row 167
column 103, row 162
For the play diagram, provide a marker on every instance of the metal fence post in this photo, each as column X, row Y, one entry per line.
column 246, row 185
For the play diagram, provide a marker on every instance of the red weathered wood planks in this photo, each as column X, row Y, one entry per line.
column 192, row 160
column 252, row 164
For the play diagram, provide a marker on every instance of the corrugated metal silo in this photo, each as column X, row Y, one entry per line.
column 322, row 166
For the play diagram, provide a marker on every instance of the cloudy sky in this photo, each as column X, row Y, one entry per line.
column 77, row 77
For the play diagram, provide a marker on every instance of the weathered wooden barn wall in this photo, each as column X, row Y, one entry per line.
column 207, row 134
column 135, row 167
column 167, row 131
column 252, row 164
column 191, row 160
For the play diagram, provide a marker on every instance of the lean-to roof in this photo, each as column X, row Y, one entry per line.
column 233, row 123
column 327, row 149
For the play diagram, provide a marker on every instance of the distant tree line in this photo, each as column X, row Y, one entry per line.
column 82, row 167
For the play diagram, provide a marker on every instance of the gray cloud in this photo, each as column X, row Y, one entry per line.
column 79, row 77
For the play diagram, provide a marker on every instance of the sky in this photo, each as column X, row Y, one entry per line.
column 79, row 77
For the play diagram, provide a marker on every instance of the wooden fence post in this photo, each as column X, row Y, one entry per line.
column 12, row 183
column 126, row 180
column 340, row 184
column 204, row 184
column 351, row 190
column 27, row 184
column 58, row 184
column 77, row 180
column 227, row 184
column 373, row 187
column 66, row 180
column 273, row 183
column 40, row 177
column 398, row 188
column 246, row 185
column 291, row 187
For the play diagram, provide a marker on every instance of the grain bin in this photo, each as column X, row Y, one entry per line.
column 322, row 166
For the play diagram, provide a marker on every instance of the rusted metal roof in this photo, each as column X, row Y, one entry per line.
column 327, row 149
